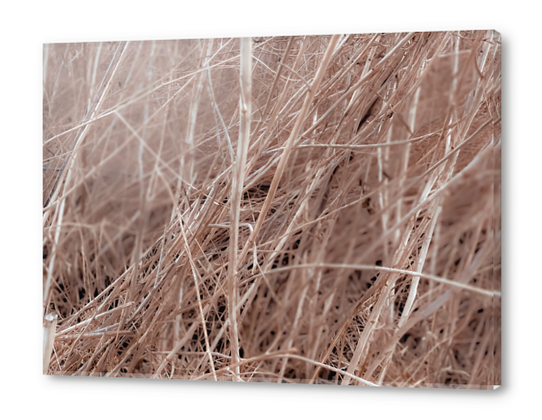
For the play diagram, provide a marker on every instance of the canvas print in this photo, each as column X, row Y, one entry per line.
column 320, row 209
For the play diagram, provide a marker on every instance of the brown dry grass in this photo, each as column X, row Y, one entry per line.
column 291, row 209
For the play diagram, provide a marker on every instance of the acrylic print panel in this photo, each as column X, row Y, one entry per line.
column 309, row 209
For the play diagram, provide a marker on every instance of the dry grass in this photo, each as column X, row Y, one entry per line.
column 320, row 209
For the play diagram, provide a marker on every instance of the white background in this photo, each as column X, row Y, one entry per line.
column 26, row 26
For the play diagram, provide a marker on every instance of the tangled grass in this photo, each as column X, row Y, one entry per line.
column 318, row 209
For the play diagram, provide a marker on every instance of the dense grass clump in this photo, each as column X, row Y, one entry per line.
column 319, row 209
